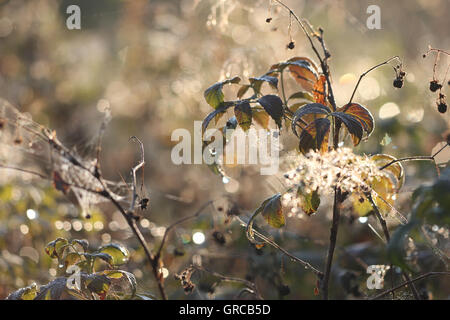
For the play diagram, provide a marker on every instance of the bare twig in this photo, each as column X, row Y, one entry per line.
column 134, row 170
column 423, row 276
column 250, row 285
column 333, row 238
column 365, row 73
column 173, row 225
column 284, row 251
column 417, row 158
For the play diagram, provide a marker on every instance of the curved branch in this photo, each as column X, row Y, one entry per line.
column 426, row 275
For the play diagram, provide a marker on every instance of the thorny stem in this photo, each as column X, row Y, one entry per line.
column 411, row 281
column 365, row 73
column 333, row 238
column 388, row 238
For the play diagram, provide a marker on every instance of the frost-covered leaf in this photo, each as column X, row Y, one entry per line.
column 118, row 252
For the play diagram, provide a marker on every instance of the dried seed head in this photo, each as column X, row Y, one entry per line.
column 319, row 172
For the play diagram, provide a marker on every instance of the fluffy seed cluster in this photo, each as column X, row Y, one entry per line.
column 324, row 171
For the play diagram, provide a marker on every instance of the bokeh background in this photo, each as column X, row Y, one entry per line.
column 150, row 61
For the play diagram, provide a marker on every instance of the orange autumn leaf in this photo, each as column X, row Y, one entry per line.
column 319, row 90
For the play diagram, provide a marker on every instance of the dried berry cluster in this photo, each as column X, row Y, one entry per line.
column 435, row 85
column 185, row 278
column 400, row 75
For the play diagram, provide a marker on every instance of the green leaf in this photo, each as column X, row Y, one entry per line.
column 214, row 94
column 396, row 246
column 56, row 247
column 309, row 201
column 53, row 290
column 256, row 83
column 98, row 283
column 273, row 106
column 294, row 107
column 71, row 258
column 101, row 255
column 212, row 115
column 302, row 95
column 243, row 115
column 83, row 243
column 119, row 253
column 242, row 90
column 272, row 211
column 27, row 293
column 261, row 117
column 395, row 169
column 122, row 284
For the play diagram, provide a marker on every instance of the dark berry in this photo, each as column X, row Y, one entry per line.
column 268, row 20
column 402, row 73
column 442, row 107
column 424, row 56
column 178, row 252
column 434, row 86
column 219, row 237
column 398, row 83
column 291, row 45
